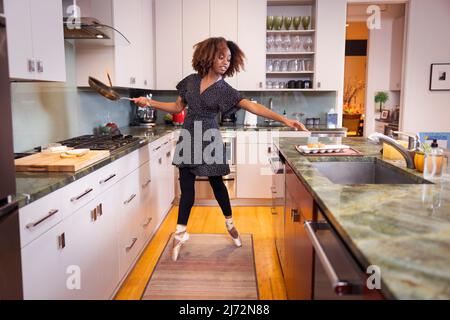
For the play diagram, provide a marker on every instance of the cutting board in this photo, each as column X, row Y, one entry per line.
column 52, row 162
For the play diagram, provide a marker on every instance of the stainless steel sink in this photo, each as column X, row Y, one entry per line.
column 366, row 172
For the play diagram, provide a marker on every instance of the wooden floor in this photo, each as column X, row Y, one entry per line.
column 254, row 220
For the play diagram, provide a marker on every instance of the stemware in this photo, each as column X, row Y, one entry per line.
column 286, row 43
column 296, row 22
column 305, row 22
column 277, row 22
column 269, row 22
column 287, row 22
column 296, row 43
column 278, row 42
column 270, row 43
column 308, row 44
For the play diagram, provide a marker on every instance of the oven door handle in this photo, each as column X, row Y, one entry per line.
column 340, row 287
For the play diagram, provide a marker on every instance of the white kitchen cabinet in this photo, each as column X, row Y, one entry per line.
column 146, row 213
column 43, row 274
column 130, row 65
column 195, row 29
column 224, row 25
column 35, row 40
column 254, row 175
column 168, row 43
column 252, row 40
column 330, row 44
column 398, row 26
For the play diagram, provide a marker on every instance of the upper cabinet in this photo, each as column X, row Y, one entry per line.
column 252, row 40
column 168, row 43
column 35, row 40
column 129, row 63
column 180, row 24
column 330, row 44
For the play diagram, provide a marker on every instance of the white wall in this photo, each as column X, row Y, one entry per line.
column 427, row 42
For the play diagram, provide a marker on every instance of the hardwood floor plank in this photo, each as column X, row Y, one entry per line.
column 254, row 220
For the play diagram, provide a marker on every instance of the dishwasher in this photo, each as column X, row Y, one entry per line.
column 336, row 276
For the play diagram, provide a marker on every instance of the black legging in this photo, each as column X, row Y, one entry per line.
column 187, row 182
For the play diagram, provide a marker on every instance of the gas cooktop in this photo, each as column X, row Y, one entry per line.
column 113, row 143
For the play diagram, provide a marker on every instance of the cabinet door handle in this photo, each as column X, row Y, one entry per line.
column 168, row 154
column 145, row 82
column 94, row 214
column 273, row 211
column 260, row 84
column 81, row 195
column 130, row 199
column 132, row 80
column 131, row 245
column 35, row 224
column 295, row 215
column 62, row 241
column 107, row 179
column 40, row 66
column 319, row 84
column 147, row 223
column 100, row 209
column 160, row 160
column 31, row 65
column 145, row 185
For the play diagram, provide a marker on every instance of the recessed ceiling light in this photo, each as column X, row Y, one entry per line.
column 99, row 36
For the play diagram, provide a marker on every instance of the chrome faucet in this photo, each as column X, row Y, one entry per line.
column 408, row 154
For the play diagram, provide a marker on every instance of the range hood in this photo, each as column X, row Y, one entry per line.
column 86, row 28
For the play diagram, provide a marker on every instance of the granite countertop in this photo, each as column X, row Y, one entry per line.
column 31, row 186
column 403, row 229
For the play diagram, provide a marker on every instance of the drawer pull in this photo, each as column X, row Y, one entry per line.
column 160, row 160
column 35, row 224
column 107, row 179
column 168, row 154
column 100, row 209
column 145, row 185
column 131, row 245
column 130, row 199
column 62, row 241
column 273, row 211
column 81, row 195
column 156, row 149
column 147, row 223
column 94, row 214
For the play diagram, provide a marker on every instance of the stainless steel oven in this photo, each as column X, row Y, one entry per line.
column 336, row 276
column 203, row 190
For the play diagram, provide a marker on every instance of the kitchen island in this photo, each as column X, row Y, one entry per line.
column 404, row 229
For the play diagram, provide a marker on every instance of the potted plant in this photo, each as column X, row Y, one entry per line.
column 381, row 97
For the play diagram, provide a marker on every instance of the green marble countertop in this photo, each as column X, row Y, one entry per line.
column 403, row 229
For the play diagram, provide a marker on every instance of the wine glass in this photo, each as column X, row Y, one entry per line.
column 305, row 22
column 278, row 42
column 296, row 22
column 296, row 43
column 286, row 43
column 270, row 43
column 269, row 22
column 287, row 22
column 308, row 44
column 278, row 22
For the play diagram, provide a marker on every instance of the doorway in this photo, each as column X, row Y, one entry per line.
column 373, row 68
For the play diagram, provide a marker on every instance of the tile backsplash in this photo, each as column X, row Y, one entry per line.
column 46, row 112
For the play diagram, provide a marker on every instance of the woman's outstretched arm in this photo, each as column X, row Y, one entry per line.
column 265, row 112
column 171, row 107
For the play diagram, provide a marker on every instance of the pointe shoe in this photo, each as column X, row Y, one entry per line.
column 178, row 242
column 234, row 235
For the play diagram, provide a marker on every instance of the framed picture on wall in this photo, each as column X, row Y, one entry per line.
column 440, row 77
column 384, row 114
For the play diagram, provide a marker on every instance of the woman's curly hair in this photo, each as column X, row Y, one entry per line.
column 206, row 51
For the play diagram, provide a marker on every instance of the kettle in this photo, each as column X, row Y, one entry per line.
column 250, row 119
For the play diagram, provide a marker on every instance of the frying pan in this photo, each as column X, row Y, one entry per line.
column 105, row 90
